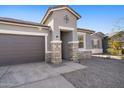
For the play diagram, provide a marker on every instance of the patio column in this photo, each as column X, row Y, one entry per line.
column 73, row 50
column 56, row 56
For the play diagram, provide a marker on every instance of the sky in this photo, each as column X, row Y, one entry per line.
column 95, row 17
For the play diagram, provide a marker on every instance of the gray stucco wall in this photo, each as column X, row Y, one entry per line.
column 59, row 21
column 56, row 20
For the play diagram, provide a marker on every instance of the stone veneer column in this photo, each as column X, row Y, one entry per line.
column 56, row 55
column 48, row 57
column 73, row 51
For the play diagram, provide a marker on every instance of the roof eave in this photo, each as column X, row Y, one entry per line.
column 88, row 30
column 23, row 24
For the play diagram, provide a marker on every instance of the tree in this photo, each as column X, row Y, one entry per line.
column 116, row 42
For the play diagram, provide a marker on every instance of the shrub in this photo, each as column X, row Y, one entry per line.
column 114, row 52
column 115, row 48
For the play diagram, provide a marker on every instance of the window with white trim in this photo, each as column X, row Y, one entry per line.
column 81, row 40
column 95, row 43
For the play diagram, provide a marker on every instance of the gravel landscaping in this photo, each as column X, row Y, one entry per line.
column 100, row 73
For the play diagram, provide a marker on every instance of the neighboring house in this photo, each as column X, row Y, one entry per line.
column 118, row 36
column 52, row 40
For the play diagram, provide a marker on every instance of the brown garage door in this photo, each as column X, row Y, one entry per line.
column 16, row 49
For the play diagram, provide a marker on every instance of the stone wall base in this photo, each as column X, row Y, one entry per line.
column 85, row 54
column 73, row 51
column 48, row 57
column 56, row 56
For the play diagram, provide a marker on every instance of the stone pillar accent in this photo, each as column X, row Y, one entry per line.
column 48, row 57
column 56, row 55
column 73, row 51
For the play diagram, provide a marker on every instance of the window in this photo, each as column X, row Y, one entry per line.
column 95, row 43
column 81, row 41
column 66, row 19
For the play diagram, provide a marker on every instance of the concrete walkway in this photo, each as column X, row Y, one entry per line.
column 37, row 75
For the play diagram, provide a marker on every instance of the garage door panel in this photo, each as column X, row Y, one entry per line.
column 21, row 49
column 20, row 60
column 10, row 58
column 33, row 45
column 20, row 54
column 19, row 41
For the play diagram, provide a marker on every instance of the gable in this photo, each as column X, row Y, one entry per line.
column 64, row 18
column 97, row 36
column 54, row 9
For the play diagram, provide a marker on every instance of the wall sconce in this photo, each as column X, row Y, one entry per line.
column 57, row 36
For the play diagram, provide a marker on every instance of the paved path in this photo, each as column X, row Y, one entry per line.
column 105, row 73
column 37, row 75
column 51, row 82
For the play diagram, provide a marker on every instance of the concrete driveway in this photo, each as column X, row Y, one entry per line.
column 37, row 75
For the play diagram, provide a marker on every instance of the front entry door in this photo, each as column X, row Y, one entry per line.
column 65, row 37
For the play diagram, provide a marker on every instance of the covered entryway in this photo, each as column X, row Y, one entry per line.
column 16, row 49
column 66, row 37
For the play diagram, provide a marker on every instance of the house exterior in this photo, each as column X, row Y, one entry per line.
column 55, row 38
column 118, row 36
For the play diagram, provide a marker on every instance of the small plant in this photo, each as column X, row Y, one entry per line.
column 77, row 56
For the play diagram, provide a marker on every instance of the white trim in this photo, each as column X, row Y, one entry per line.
column 45, row 17
column 49, row 52
column 24, row 25
column 45, row 44
column 67, row 9
column 97, row 51
column 73, row 12
column 73, row 42
column 22, row 33
column 81, row 33
column 56, row 41
column 83, row 49
column 66, row 28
